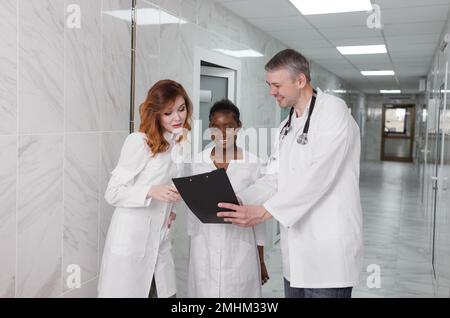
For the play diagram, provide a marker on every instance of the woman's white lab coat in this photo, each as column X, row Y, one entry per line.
column 138, row 245
column 224, row 260
column 317, row 201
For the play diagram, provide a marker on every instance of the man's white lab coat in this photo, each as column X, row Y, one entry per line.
column 317, row 200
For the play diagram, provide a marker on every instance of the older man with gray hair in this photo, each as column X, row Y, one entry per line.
column 316, row 196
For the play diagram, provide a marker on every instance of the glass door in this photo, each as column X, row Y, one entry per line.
column 441, row 235
column 216, row 83
column 436, row 152
column 398, row 132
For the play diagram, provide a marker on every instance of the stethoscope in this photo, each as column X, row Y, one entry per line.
column 303, row 138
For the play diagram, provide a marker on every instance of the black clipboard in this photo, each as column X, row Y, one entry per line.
column 202, row 193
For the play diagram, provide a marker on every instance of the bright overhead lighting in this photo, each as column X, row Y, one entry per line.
column 362, row 49
column 339, row 91
column 146, row 16
column 377, row 73
column 390, row 91
column 240, row 53
column 309, row 7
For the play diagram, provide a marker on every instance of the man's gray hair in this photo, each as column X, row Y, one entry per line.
column 290, row 60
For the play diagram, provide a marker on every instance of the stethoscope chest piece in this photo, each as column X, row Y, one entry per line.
column 302, row 139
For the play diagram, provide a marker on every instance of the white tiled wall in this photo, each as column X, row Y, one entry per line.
column 64, row 107
column 64, row 96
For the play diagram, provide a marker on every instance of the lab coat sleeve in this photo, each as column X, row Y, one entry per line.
column 121, row 190
column 260, row 229
column 263, row 188
column 328, row 154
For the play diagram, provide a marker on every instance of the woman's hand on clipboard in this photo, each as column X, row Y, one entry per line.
column 164, row 193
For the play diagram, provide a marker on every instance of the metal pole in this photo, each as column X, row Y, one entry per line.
column 133, row 64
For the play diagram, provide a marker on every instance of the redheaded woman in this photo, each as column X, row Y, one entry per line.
column 137, row 259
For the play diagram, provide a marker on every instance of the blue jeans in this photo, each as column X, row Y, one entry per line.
column 293, row 292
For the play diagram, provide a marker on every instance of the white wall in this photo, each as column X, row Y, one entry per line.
column 64, row 96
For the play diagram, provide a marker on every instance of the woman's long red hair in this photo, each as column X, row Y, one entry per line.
column 160, row 98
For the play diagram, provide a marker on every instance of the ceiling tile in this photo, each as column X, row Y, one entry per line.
column 369, row 58
column 419, row 47
column 382, row 80
column 335, row 61
column 261, row 8
column 389, row 4
column 413, row 28
column 314, row 53
column 310, row 44
column 358, row 41
column 295, row 23
column 294, row 35
column 363, row 66
column 411, row 60
column 414, row 14
column 349, row 32
column 411, row 71
column 348, row 71
column 340, row 19
column 404, row 55
column 413, row 39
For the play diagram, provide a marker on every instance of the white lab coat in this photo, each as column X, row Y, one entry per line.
column 224, row 260
column 317, row 200
column 138, row 245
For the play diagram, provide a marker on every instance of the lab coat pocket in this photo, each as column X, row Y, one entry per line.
column 131, row 235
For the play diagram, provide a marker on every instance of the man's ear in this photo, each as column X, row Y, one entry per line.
column 302, row 80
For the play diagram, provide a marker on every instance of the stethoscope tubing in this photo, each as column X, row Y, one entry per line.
column 303, row 138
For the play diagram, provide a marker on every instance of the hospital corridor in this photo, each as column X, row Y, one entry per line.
column 125, row 124
column 395, row 236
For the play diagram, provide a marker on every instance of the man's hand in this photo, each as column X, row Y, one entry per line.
column 244, row 215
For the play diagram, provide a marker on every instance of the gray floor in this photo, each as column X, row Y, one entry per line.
column 395, row 235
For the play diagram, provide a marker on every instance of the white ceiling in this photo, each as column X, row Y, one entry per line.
column 411, row 31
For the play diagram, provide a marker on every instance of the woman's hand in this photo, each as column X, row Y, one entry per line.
column 172, row 217
column 164, row 193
